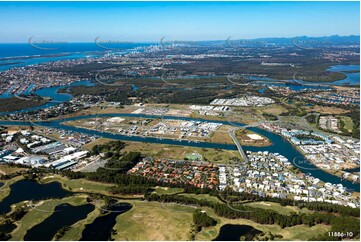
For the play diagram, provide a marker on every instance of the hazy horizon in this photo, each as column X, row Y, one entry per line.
column 171, row 40
column 182, row 21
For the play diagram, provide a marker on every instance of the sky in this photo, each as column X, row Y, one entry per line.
column 150, row 21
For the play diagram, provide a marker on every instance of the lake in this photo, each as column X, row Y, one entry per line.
column 31, row 190
column 233, row 232
column 101, row 228
column 65, row 215
column 7, row 228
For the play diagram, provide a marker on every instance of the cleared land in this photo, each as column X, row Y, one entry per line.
column 246, row 137
column 220, row 135
column 100, row 141
column 154, row 221
column 7, row 170
column 326, row 110
column 177, row 152
column 103, row 108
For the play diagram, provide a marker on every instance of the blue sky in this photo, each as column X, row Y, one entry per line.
column 149, row 21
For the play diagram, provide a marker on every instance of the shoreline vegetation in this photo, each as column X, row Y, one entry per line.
column 16, row 104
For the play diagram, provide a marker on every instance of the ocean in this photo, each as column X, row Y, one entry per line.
column 26, row 49
column 18, row 55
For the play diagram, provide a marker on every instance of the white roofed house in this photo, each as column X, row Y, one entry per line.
column 10, row 158
column 9, row 139
column 24, row 141
column 25, row 132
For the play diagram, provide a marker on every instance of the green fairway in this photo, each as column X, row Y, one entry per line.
column 167, row 190
column 303, row 232
column 154, row 221
column 78, row 185
column 75, row 231
column 40, row 213
column 202, row 196
column 277, row 207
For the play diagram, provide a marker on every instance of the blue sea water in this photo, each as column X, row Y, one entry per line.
column 25, row 49
column 68, row 51
column 344, row 68
column 352, row 79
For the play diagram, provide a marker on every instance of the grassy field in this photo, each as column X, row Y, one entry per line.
column 179, row 152
column 300, row 232
column 221, row 135
column 101, row 109
column 277, row 207
column 83, row 185
column 202, row 196
column 348, row 124
column 157, row 221
column 100, row 141
column 5, row 189
column 7, row 170
column 43, row 211
column 325, row 110
column 154, row 221
column 275, row 109
column 167, row 190
column 78, row 185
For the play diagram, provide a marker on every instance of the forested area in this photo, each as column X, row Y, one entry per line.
column 201, row 219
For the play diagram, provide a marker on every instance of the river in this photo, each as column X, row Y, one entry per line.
column 279, row 144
